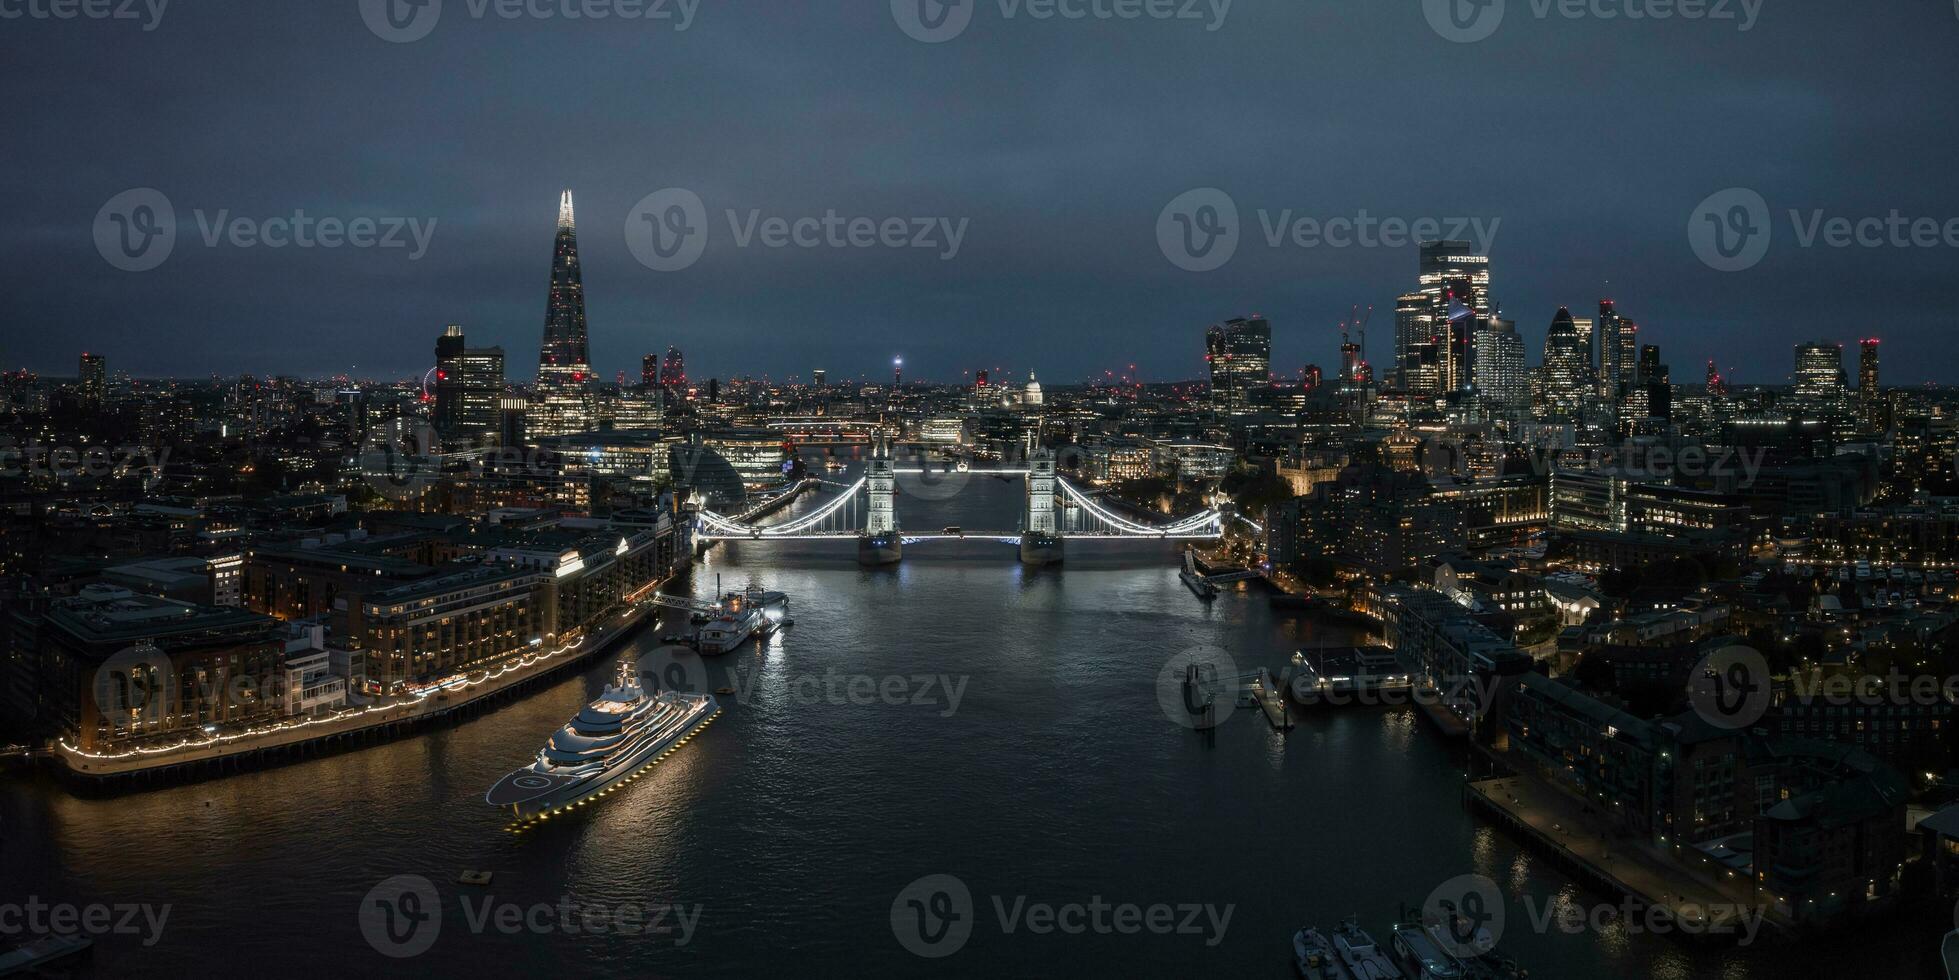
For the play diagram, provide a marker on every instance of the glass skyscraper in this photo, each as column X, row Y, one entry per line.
column 564, row 366
column 1239, row 352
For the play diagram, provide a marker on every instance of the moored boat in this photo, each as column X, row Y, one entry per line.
column 607, row 744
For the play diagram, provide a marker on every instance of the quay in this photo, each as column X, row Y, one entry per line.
column 284, row 742
column 1269, row 692
column 1556, row 826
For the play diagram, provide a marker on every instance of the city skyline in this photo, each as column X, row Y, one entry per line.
column 1027, row 271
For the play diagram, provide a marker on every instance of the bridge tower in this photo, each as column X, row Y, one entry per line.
column 880, row 543
column 1040, row 541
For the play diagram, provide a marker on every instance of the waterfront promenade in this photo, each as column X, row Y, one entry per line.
column 1635, row 868
column 380, row 720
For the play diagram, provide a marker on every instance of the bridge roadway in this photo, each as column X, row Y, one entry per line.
column 1005, row 537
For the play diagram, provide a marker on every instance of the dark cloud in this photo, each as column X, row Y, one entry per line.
column 1058, row 141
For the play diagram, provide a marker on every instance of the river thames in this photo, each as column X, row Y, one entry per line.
column 956, row 715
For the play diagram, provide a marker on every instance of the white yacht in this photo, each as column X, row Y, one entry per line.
column 609, row 743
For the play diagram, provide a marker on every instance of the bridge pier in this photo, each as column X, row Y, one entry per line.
column 1041, row 544
column 880, row 544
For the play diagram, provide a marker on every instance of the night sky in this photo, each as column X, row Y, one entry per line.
column 1058, row 142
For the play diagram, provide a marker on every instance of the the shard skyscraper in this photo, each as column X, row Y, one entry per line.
column 563, row 397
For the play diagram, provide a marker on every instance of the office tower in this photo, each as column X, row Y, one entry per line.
column 1646, row 402
column 94, row 375
column 673, row 371
column 1456, row 282
column 1819, row 371
column 468, row 387
column 512, row 415
column 1617, row 341
column 564, row 368
column 1310, row 378
column 1446, row 267
column 819, row 378
column 1411, row 327
column 1239, row 352
column 1588, row 339
column 1715, row 386
column 1650, row 368
column 1455, row 338
column 1870, row 397
column 649, row 370
column 1567, row 368
column 1500, row 376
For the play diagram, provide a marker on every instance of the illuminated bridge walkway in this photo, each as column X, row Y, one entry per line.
column 857, row 511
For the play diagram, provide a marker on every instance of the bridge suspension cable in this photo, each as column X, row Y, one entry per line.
column 723, row 525
column 1204, row 520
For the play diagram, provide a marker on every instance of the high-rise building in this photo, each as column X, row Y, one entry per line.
column 1239, row 351
column 1716, row 387
column 649, row 370
column 1411, row 328
column 1456, row 282
column 1646, row 402
column 673, row 371
column 1870, row 397
column 564, row 365
column 820, row 378
column 1500, row 376
column 1567, row 368
column 1617, row 341
column 94, row 376
column 468, row 388
column 1819, row 371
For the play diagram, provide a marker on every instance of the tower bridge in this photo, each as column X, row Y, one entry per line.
column 1055, row 512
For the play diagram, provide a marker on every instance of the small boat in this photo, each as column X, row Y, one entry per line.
column 1312, row 956
column 41, row 952
column 1363, row 958
column 1423, row 958
column 1196, row 583
column 479, row 878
